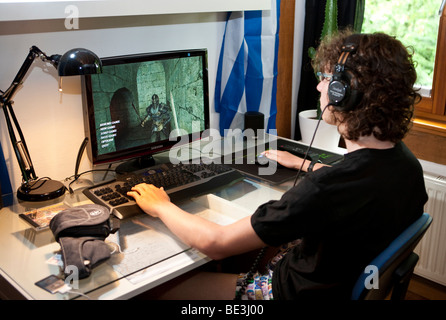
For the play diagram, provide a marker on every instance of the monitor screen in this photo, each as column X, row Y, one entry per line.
column 145, row 103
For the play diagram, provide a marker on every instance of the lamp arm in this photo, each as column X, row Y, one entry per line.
column 20, row 148
column 33, row 53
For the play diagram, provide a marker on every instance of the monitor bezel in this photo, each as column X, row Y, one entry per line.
column 148, row 149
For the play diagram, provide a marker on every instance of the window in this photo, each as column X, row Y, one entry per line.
column 420, row 24
column 414, row 22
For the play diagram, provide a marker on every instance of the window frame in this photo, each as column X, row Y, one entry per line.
column 430, row 113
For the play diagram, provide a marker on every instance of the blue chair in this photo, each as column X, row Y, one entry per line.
column 395, row 265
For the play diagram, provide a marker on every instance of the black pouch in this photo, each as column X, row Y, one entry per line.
column 87, row 220
column 81, row 232
column 84, row 253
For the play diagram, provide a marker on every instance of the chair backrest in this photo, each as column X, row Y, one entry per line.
column 390, row 259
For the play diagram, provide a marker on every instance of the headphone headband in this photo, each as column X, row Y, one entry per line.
column 346, row 50
column 342, row 90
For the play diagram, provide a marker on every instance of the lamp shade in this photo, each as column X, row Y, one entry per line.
column 79, row 61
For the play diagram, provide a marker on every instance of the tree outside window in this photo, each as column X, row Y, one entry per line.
column 414, row 23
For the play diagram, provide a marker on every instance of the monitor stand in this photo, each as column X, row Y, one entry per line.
column 135, row 164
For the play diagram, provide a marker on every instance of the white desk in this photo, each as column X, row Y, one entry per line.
column 25, row 254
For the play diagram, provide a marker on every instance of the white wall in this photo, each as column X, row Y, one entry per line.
column 57, row 9
column 52, row 122
column 299, row 26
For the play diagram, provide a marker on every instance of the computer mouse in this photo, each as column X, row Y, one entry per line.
column 264, row 161
column 261, row 160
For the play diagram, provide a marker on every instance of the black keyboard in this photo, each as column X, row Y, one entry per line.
column 180, row 181
column 299, row 150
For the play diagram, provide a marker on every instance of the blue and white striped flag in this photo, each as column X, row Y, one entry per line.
column 247, row 68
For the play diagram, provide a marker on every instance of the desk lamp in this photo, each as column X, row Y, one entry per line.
column 74, row 62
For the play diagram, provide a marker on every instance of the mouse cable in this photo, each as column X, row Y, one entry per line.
column 310, row 145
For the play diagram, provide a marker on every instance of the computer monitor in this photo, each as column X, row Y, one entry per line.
column 142, row 104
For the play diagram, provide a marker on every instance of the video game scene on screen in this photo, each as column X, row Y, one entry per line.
column 144, row 102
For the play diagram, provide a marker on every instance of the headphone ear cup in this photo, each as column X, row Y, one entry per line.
column 343, row 91
column 337, row 90
column 354, row 95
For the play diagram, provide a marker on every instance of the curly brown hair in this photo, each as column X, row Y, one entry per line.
column 386, row 74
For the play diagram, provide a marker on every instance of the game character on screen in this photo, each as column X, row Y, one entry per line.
column 159, row 115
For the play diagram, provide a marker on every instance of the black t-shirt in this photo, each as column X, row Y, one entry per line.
column 345, row 215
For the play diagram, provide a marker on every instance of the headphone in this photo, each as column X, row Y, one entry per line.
column 343, row 91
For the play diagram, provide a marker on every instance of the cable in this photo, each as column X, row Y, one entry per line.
column 106, row 172
column 310, row 145
column 36, row 184
column 250, row 274
column 117, row 248
column 88, row 171
column 79, row 157
column 79, row 293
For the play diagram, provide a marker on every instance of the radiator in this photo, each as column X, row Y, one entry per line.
column 432, row 248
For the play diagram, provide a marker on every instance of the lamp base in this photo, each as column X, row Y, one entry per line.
column 41, row 190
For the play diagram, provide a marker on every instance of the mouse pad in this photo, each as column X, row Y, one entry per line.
column 246, row 161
